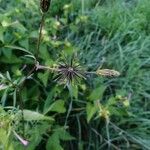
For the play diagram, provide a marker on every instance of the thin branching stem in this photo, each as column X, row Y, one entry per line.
column 21, row 107
column 70, row 105
column 30, row 72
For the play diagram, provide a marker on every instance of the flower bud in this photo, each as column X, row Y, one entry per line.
column 24, row 142
column 126, row 103
column 104, row 113
column 107, row 72
column 44, row 5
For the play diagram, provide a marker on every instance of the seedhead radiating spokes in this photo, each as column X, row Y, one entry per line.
column 69, row 71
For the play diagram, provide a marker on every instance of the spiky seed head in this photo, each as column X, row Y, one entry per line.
column 69, row 72
column 107, row 72
column 44, row 5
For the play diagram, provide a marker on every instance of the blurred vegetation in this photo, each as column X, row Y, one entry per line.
column 98, row 113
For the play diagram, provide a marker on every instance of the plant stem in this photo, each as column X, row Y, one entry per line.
column 21, row 107
column 70, row 105
column 40, row 35
column 46, row 68
column 30, row 72
column 107, row 132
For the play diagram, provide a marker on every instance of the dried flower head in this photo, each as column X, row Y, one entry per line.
column 45, row 4
column 107, row 73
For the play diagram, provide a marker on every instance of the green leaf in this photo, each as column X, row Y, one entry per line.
column 64, row 135
column 57, row 106
column 5, row 141
column 13, row 60
column 49, row 98
column 97, row 93
column 44, row 54
column 35, row 116
column 3, row 87
column 90, row 110
column 24, row 43
column 75, row 91
column 1, row 35
column 37, row 134
column 7, row 53
column 119, row 112
column 34, row 34
column 58, row 135
column 8, row 75
column 53, row 143
column 4, row 97
column 111, row 101
column 44, row 77
column 18, row 48
column 17, row 25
